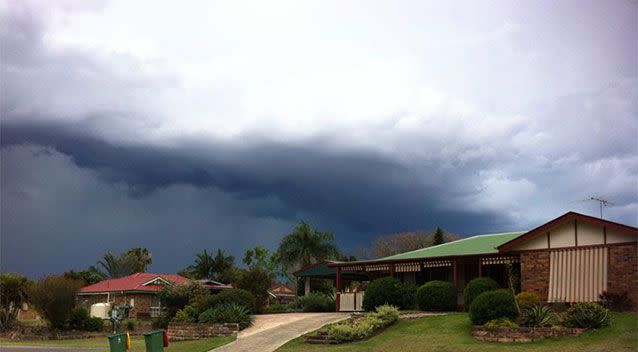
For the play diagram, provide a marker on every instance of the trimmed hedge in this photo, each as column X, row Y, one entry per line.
column 493, row 305
column 477, row 286
column 527, row 299
column 436, row 296
column 385, row 290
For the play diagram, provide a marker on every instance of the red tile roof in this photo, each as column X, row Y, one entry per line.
column 134, row 282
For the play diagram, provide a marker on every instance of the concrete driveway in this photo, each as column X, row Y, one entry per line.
column 270, row 331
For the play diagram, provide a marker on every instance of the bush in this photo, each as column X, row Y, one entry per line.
column 189, row 314
column 257, row 281
column 13, row 292
column 176, row 297
column 527, row 299
column 130, row 324
column 94, row 324
column 436, row 296
column 493, row 305
column 78, row 319
column 537, row 315
column 500, row 323
column 227, row 313
column 54, row 298
column 388, row 314
column 161, row 322
column 316, row 302
column 386, row 290
column 233, row 295
column 477, row 286
column 280, row 308
column 587, row 316
column 615, row 301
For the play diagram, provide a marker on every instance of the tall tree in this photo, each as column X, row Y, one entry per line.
column 306, row 245
column 222, row 262
column 114, row 266
column 87, row 276
column 438, row 237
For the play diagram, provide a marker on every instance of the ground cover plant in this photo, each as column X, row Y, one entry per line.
column 364, row 327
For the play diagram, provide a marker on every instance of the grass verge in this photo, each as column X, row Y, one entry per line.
column 452, row 333
column 137, row 343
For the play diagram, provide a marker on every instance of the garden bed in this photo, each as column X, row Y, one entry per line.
column 357, row 327
column 521, row 334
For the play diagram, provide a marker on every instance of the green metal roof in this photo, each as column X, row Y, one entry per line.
column 481, row 244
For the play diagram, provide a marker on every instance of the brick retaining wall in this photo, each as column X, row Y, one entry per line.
column 188, row 331
column 522, row 334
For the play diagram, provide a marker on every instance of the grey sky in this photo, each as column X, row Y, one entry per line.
column 220, row 124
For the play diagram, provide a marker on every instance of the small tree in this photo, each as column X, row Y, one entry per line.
column 257, row 281
column 176, row 297
column 54, row 298
column 13, row 292
column 438, row 237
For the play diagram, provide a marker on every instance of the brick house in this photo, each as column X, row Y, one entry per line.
column 572, row 258
column 138, row 290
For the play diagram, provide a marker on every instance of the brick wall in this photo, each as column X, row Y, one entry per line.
column 535, row 273
column 186, row 331
column 623, row 271
column 141, row 302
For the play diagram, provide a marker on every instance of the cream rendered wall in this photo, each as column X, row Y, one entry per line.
column 614, row 236
column 539, row 242
column 562, row 236
column 590, row 234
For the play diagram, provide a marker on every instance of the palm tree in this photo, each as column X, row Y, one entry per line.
column 222, row 262
column 305, row 245
column 116, row 266
column 204, row 266
column 142, row 258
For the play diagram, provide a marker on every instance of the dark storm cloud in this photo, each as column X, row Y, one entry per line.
column 361, row 192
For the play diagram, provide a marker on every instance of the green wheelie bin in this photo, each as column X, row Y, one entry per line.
column 154, row 341
column 117, row 343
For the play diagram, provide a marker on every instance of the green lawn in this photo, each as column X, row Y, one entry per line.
column 452, row 333
column 137, row 343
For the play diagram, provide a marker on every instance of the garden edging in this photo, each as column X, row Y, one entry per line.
column 522, row 334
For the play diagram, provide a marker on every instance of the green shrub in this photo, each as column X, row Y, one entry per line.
column 587, row 316
column 493, row 305
column 189, row 314
column 13, row 292
column 280, row 308
column 527, row 299
column 227, row 313
column 161, row 322
column 386, row 290
column 130, row 324
column 316, row 302
column 94, row 324
column 233, row 295
column 500, row 323
column 54, row 298
column 436, row 296
column 78, row 318
column 477, row 286
column 537, row 315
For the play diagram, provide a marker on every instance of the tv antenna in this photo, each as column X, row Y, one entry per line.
column 601, row 203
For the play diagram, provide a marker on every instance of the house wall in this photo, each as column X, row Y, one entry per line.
column 142, row 302
column 623, row 271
